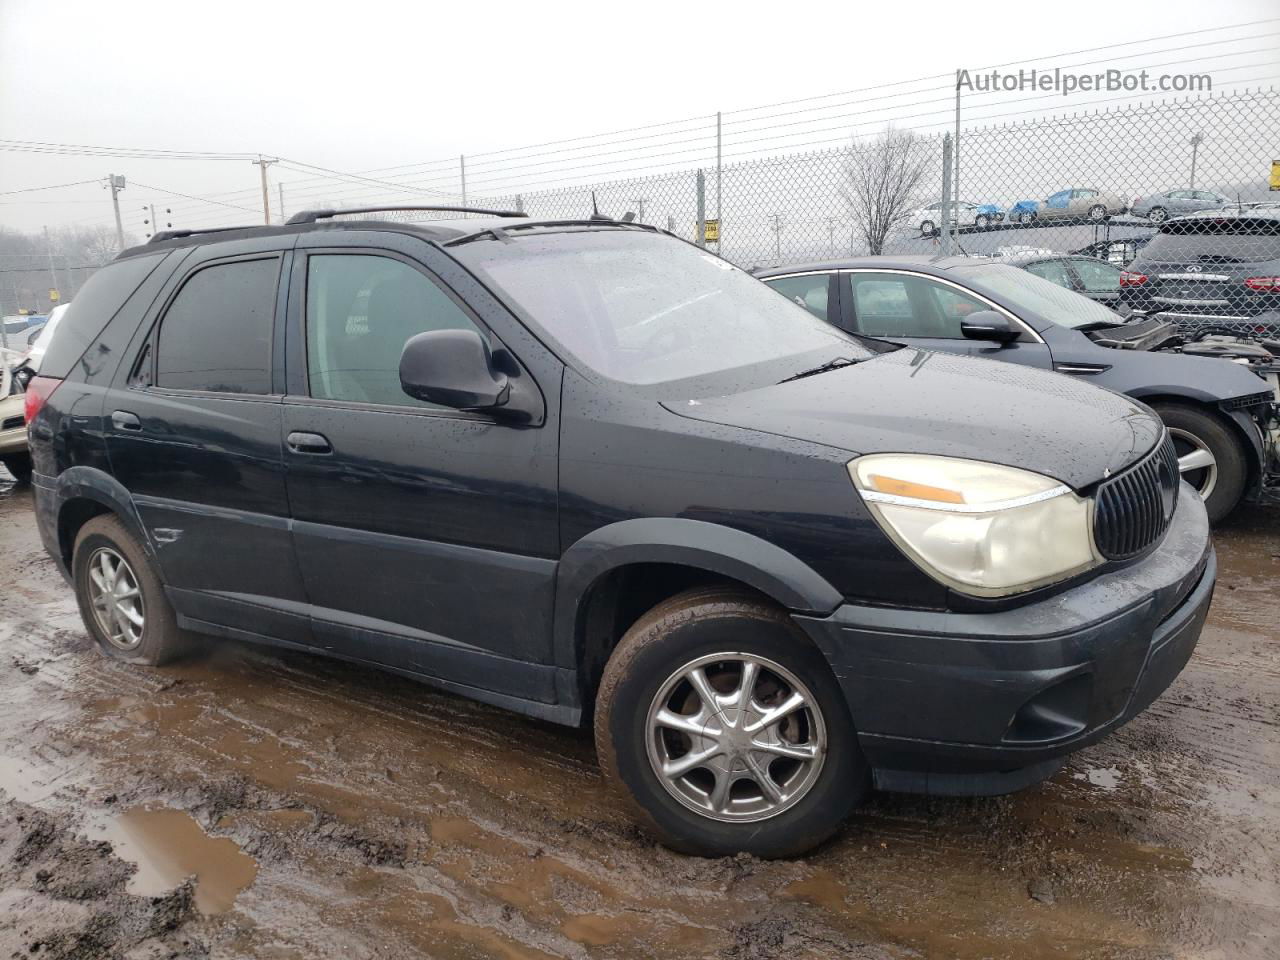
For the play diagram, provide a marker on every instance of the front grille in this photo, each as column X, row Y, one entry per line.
column 1133, row 509
column 11, row 423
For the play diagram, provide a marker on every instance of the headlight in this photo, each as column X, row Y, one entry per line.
column 981, row 528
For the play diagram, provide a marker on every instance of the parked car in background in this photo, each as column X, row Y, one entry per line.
column 1222, row 415
column 1119, row 251
column 964, row 214
column 1081, row 203
column 1159, row 207
column 1218, row 270
column 15, row 328
column 1088, row 276
column 13, row 429
column 1024, row 211
column 586, row 469
column 988, row 215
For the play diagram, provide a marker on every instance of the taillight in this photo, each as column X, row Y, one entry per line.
column 1263, row 284
column 39, row 390
column 1131, row 279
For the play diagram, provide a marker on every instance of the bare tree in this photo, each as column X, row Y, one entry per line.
column 885, row 180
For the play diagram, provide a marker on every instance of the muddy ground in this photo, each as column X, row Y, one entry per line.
column 259, row 804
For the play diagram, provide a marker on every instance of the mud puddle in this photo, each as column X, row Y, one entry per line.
column 345, row 813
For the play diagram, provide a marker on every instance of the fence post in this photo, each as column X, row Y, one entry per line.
column 719, row 219
column 702, row 209
column 945, row 214
column 519, row 203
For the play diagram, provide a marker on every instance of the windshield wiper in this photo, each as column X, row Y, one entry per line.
column 835, row 364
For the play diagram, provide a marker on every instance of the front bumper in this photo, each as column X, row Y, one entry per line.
column 985, row 703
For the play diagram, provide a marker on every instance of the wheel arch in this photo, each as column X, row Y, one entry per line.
column 86, row 492
column 613, row 575
column 1236, row 421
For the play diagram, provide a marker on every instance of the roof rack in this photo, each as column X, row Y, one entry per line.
column 597, row 220
column 311, row 216
column 160, row 235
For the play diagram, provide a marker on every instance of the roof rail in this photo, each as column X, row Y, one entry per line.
column 311, row 216
column 160, row 235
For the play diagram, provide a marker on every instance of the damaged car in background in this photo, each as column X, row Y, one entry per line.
column 1218, row 395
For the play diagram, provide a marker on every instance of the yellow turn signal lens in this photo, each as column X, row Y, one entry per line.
column 917, row 491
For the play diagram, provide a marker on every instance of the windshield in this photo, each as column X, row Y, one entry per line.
column 1025, row 292
column 645, row 308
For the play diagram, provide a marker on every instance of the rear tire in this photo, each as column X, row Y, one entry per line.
column 778, row 801
column 927, row 228
column 122, row 601
column 18, row 464
column 1097, row 213
column 1158, row 215
column 1202, row 438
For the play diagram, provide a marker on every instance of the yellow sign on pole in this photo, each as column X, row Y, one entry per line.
column 53, row 295
column 1275, row 174
column 711, row 232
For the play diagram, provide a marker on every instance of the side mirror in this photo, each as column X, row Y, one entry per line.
column 988, row 325
column 453, row 368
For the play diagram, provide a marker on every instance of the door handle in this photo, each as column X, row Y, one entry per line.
column 124, row 420
column 313, row 443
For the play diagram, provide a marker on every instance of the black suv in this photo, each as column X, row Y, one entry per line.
column 586, row 469
column 1218, row 270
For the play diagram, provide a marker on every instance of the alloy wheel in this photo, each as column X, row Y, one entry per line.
column 116, row 598
column 736, row 737
column 1196, row 462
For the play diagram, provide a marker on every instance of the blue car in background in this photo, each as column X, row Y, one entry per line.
column 988, row 214
column 1024, row 211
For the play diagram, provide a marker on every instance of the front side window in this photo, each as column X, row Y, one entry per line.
column 361, row 309
column 810, row 292
column 1026, row 294
column 899, row 305
column 216, row 335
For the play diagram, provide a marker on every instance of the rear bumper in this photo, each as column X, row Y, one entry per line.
column 991, row 702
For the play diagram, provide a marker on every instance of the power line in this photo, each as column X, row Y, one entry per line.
column 52, row 186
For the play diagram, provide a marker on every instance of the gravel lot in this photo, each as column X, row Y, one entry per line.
column 331, row 811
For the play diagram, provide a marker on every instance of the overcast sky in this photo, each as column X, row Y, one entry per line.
column 370, row 85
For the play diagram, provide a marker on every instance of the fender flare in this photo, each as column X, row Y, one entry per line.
column 717, row 549
column 90, row 483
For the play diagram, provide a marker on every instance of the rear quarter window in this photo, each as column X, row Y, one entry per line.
column 93, row 308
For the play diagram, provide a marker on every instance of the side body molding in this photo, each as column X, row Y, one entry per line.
column 692, row 543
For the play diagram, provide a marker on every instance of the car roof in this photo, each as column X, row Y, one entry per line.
column 438, row 231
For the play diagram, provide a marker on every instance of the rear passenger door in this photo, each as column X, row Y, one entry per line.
column 427, row 536
column 193, row 421
column 926, row 312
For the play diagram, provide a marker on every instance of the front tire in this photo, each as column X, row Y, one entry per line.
column 726, row 729
column 1097, row 213
column 1158, row 215
column 1210, row 457
column 122, row 601
column 927, row 228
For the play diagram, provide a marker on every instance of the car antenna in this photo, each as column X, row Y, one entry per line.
column 595, row 211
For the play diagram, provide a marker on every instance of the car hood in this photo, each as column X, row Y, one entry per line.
column 918, row 401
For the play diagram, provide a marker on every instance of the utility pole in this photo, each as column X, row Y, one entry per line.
column 261, row 163
column 777, row 235
column 280, row 187
column 1196, row 140
column 53, row 276
column 946, row 194
column 719, row 222
column 462, row 168
column 117, row 184
column 955, row 145
column 639, row 201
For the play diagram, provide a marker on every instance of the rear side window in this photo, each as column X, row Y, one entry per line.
column 216, row 335
column 100, row 299
column 809, row 292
